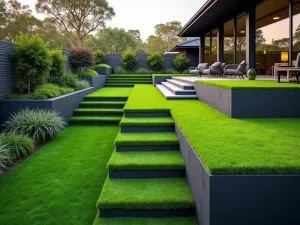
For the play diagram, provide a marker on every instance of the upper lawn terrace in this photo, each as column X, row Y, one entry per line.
column 225, row 145
column 249, row 84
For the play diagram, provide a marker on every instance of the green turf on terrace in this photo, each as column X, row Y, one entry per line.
column 145, row 221
column 147, row 121
column 249, row 84
column 61, row 182
column 111, row 92
column 226, row 145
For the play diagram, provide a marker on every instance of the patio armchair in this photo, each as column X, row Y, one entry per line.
column 215, row 69
column 197, row 70
column 297, row 65
column 236, row 70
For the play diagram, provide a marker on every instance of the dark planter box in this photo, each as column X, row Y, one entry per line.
column 251, row 103
column 240, row 199
column 96, row 82
column 65, row 104
column 104, row 71
column 159, row 79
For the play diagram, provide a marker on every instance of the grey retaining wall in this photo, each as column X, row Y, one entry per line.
column 65, row 104
column 159, row 79
column 240, row 199
column 6, row 69
column 96, row 82
column 251, row 103
column 114, row 60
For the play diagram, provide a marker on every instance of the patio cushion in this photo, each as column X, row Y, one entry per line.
column 242, row 67
column 205, row 72
column 232, row 72
column 203, row 65
column 298, row 61
column 217, row 64
column 194, row 71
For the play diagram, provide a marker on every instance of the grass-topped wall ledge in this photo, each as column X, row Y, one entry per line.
column 64, row 104
column 251, row 99
column 97, row 81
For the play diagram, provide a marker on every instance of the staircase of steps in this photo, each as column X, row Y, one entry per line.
column 177, row 88
column 127, row 80
column 146, row 174
column 99, row 111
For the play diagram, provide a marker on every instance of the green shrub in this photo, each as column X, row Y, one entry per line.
column 47, row 91
column 20, row 96
column 181, row 63
column 66, row 90
column 99, row 57
column 39, row 124
column 82, row 84
column 32, row 62
column 67, row 80
column 128, row 60
column 18, row 145
column 88, row 73
column 5, row 159
column 81, row 57
column 156, row 61
column 58, row 65
column 102, row 66
column 119, row 70
column 186, row 72
column 171, row 71
column 142, row 71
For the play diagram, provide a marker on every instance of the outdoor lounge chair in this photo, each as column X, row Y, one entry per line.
column 215, row 69
column 236, row 70
column 197, row 70
column 297, row 73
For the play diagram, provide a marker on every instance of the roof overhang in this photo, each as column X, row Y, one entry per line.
column 212, row 14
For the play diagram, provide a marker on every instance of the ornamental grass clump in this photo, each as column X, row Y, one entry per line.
column 39, row 124
column 18, row 145
column 5, row 159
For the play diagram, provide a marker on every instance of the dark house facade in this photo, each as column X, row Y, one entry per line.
column 262, row 32
column 190, row 49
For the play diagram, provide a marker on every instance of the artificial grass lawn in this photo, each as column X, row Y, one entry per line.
column 111, row 92
column 96, row 118
column 226, row 145
column 146, row 138
column 61, row 182
column 146, row 194
column 165, row 160
column 249, row 84
column 145, row 221
column 147, row 121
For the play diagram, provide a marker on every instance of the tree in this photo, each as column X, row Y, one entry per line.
column 168, row 33
column 115, row 40
column 17, row 18
column 297, row 35
column 283, row 43
column 81, row 17
column 155, row 44
column 260, row 40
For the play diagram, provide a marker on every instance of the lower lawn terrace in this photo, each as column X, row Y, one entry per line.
column 92, row 147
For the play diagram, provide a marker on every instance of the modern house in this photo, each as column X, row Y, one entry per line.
column 263, row 32
column 190, row 49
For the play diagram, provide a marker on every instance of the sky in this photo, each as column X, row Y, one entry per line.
column 145, row 14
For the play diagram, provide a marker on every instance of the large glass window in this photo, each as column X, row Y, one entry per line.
column 229, row 42
column 241, row 39
column 296, row 29
column 207, row 48
column 214, row 56
column 272, row 34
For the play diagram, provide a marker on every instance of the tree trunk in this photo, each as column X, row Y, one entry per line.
column 28, row 86
column 79, row 41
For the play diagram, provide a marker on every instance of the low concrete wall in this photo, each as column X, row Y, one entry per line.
column 240, row 199
column 104, row 71
column 96, row 82
column 159, row 79
column 251, row 103
column 65, row 104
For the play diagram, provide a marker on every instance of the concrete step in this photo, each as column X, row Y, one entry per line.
column 171, row 96
column 181, row 84
column 177, row 90
column 185, row 80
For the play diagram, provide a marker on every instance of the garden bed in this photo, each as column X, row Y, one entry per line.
column 65, row 104
column 251, row 99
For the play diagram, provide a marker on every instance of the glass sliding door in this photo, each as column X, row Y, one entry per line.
column 229, row 42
